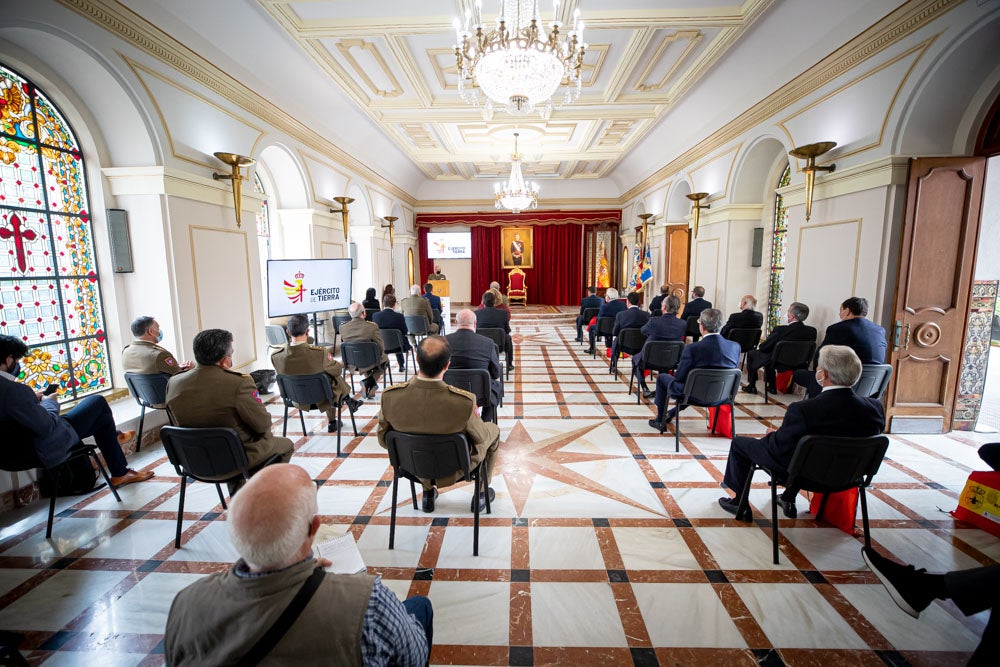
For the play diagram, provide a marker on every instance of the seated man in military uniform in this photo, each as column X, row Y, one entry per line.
column 144, row 356
column 361, row 330
column 300, row 358
column 210, row 394
column 427, row 405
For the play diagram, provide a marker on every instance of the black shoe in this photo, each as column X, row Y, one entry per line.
column 333, row 426
column 659, row 426
column 788, row 507
column 370, row 389
column 669, row 417
column 771, row 389
column 427, row 502
column 648, row 394
column 589, row 350
column 482, row 501
column 577, row 340
column 732, row 505
column 902, row 582
column 353, row 404
column 749, row 389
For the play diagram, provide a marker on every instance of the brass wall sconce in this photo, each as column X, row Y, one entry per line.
column 645, row 217
column 235, row 161
column 697, row 197
column 391, row 226
column 809, row 153
column 343, row 201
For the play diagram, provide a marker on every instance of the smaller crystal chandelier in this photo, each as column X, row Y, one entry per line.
column 516, row 65
column 517, row 195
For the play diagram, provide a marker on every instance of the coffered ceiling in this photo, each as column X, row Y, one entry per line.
column 394, row 60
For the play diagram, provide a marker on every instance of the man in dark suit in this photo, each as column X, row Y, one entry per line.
column 855, row 331
column 632, row 317
column 31, row 419
column 435, row 302
column 746, row 318
column 660, row 327
column 589, row 301
column 713, row 351
column 612, row 306
column 794, row 330
column 491, row 317
column 470, row 350
column 697, row 303
column 389, row 318
column 837, row 411
column 657, row 302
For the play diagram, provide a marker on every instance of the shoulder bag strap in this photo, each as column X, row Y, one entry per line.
column 270, row 639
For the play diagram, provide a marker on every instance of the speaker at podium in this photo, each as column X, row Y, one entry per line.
column 442, row 288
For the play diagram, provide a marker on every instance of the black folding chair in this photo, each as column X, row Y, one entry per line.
column 476, row 381
column 748, row 339
column 393, row 342
column 588, row 314
column 338, row 319
column 499, row 338
column 362, row 356
column 693, row 329
column 789, row 355
column 417, row 327
column 661, row 356
column 708, row 388
column 873, row 381
column 629, row 341
column 369, row 312
column 305, row 392
column 17, row 455
column 824, row 464
column 417, row 457
column 605, row 327
column 211, row 455
column 149, row 391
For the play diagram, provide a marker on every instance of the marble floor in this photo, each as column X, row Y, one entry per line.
column 605, row 547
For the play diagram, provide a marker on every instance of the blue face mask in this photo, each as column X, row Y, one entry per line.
column 159, row 335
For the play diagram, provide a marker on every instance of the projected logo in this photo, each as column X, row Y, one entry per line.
column 439, row 248
column 295, row 291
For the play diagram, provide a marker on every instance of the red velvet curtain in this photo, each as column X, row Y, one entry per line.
column 425, row 265
column 557, row 276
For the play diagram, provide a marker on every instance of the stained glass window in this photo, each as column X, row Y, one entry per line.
column 50, row 294
column 778, row 243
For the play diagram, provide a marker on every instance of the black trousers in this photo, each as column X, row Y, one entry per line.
column 756, row 360
column 974, row 591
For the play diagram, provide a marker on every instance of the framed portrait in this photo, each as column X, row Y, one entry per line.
column 517, row 247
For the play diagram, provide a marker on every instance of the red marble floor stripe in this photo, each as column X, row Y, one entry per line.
column 701, row 552
column 667, row 576
column 470, row 574
column 930, row 452
column 192, row 567
column 520, row 614
column 632, row 621
column 600, row 576
column 571, row 655
column 861, row 625
column 966, row 548
column 705, row 657
column 896, row 504
column 105, row 564
column 454, row 654
column 798, row 657
column 765, row 576
column 752, row 633
column 609, row 549
column 186, row 536
column 935, row 658
column 26, row 587
column 432, row 547
column 520, row 548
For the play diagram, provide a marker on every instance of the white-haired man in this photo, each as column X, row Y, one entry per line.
column 361, row 330
column 837, row 411
column 612, row 306
column 417, row 305
column 225, row 618
column 745, row 318
column 470, row 350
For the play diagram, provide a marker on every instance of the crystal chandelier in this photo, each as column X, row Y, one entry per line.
column 517, row 195
column 518, row 67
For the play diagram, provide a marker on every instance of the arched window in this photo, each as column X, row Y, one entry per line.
column 50, row 294
column 263, row 217
column 778, row 243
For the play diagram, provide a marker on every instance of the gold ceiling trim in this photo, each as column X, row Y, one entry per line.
column 693, row 38
column 344, row 46
column 132, row 28
column 888, row 31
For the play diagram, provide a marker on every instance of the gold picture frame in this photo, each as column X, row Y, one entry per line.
column 509, row 236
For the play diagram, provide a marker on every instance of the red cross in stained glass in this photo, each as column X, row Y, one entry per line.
column 18, row 235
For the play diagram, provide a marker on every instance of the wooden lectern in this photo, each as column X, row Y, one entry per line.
column 441, row 287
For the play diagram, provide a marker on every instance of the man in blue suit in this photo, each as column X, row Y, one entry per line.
column 657, row 302
column 632, row 317
column 697, row 303
column 389, row 318
column 589, row 301
column 32, row 420
column 612, row 306
column 795, row 330
column 660, row 327
column 435, row 302
column 854, row 330
column 712, row 351
column 837, row 411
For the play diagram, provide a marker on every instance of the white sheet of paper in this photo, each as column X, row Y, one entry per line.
column 344, row 555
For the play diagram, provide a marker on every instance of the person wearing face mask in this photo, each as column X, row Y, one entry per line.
column 211, row 394
column 837, row 411
column 794, row 330
column 144, row 356
column 30, row 418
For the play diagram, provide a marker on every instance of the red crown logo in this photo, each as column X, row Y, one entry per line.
column 300, row 275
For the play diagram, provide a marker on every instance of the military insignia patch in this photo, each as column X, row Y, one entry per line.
column 256, row 396
column 169, row 361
